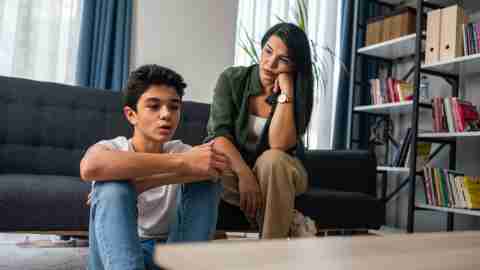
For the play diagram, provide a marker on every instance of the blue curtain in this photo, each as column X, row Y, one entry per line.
column 104, row 49
column 341, row 125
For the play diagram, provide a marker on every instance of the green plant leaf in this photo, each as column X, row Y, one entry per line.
column 249, row 47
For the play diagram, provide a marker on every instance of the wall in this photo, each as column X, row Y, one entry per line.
column 195, row 38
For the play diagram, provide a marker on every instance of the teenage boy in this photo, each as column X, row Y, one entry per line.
column 147, row 188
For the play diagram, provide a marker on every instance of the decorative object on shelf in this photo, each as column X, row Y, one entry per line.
column 425, row 90
column 381, row 132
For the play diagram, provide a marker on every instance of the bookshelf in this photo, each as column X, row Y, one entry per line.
column 412, row 3
column 396, row 51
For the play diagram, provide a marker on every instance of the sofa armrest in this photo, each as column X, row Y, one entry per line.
column 343, row 170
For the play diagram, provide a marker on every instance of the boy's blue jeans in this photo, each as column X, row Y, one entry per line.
column 113, row 237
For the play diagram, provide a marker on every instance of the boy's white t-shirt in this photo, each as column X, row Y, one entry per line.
column 156, row 206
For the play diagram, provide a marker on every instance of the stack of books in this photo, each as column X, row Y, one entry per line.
column 451, row 114
column 471, row 38
column 446, row 188
column 389, row 90
column 402, row 153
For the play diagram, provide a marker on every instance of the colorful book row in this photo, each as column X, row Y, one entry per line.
column 389, row 90
column 451, row 114
column 446, row 188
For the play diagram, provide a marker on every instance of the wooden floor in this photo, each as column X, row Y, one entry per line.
column 436, row 251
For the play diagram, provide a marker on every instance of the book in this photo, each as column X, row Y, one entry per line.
column 449, row 115
column 404, row 148
column 405, row 90
column 403, row 144
column 472, row 191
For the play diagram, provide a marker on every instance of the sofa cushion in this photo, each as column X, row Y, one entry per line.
column 329, row 208
column 340, row 209
column 43, row 202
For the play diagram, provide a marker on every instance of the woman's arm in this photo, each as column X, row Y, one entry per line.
column 250, row 196
column 282, row 133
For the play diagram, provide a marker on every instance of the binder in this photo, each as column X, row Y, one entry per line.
column 451, row 43
column 432, row 51
column 374, row 33
column 387, row 29
column 403, row 24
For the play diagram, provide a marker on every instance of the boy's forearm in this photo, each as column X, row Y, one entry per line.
column 121, row 165
column 145, row 183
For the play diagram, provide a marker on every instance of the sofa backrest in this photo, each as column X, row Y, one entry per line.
column 193, row 124
column 45, row 127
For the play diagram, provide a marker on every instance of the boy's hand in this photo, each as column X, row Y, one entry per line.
column 204, row 160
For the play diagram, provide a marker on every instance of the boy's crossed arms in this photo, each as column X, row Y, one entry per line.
column 149, row 170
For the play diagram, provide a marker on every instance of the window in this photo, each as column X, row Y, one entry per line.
column 254, row 19
column 39, row 39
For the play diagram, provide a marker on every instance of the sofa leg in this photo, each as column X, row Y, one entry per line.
column 220, row 235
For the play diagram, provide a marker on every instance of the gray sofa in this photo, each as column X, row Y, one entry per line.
column 46, row 127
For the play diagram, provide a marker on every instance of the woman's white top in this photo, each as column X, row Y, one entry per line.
column 256, row 125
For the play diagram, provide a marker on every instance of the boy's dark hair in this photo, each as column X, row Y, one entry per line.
column 143, row 77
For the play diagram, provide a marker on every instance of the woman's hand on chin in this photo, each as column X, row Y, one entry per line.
column 284, row 83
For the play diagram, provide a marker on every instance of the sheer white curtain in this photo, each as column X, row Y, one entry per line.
column 39, row 39
column 255, row 17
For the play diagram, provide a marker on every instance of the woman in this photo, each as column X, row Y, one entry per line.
column 258, row 117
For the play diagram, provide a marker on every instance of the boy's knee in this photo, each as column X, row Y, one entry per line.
column 115, row 191
column 202, row 187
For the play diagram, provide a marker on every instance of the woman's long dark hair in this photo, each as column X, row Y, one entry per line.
column 299, row 52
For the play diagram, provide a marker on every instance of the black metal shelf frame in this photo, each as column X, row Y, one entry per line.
column 421, row 6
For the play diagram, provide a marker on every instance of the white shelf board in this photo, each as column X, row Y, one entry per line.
column 392, row 49
column 412, row 3
column 462, row 211
column 461, row 65
column 388, row 108
column 393, row 169
column 449, row 134
column 392, row 2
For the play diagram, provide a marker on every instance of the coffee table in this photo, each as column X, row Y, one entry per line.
column 456, row 250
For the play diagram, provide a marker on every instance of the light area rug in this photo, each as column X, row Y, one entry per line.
column 38, row 252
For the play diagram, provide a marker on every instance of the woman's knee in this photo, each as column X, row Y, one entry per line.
column 271, row 158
